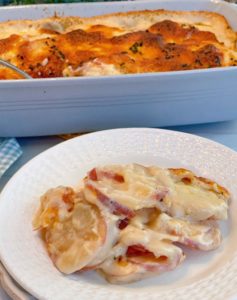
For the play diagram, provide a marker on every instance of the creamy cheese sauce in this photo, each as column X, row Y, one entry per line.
column 112, row 235
column 94, row 68
column 204, row 236
column 133, row 269
column 139, row 189
column 159, row 207
column 158, row 243
column 195, row 202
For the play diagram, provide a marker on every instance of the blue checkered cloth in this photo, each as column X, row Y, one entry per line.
column 10, row 151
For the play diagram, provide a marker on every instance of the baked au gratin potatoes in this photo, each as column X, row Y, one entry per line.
column 129, row 222
column 119, row 43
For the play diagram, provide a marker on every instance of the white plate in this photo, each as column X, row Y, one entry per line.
column 66, row 105
column 210, row 275
column 11, row 287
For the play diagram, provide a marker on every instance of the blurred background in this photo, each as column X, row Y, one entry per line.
column 19, row 2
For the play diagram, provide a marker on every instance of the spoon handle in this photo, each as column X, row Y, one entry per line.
column 14, row 68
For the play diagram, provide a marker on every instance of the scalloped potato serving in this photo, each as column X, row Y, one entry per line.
column 129, row 222
column 119, row 43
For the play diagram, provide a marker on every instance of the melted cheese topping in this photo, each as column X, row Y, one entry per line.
column 132, row 42
column 144, row 187
column 55, row 205
column 192, row 197
column 198, row 204
column 92, row 68
column 112, row 235
column 203, row 236
column 134, row 188
column 125, row 220
column 157, row 243
column 121, row 267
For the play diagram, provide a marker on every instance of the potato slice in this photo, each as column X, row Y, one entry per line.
column 123, row 189
column 74, row 231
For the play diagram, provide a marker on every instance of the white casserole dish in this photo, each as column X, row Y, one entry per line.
column 65, row 105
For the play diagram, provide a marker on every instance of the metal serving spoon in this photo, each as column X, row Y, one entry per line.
column 14, row 68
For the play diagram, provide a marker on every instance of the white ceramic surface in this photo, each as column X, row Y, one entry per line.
column 211, row 275
column 52, row 106
column 12, row 289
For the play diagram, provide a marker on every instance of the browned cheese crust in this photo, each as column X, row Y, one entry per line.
column 122, row 43
column 189, row 178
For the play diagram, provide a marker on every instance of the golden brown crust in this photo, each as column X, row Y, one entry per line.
column 189, row 178
column 120, row 43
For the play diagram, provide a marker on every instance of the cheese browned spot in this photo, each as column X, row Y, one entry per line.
column 120, row 43
column 195, row 198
